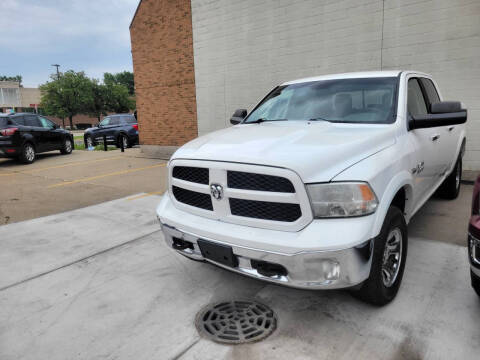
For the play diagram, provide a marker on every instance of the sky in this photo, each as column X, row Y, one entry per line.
column 80, row 35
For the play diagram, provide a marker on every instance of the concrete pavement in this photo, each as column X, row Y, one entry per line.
column 109, row 288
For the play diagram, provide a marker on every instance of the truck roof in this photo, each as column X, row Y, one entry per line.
column 351, row 75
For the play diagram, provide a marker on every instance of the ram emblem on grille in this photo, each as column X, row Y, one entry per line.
column 217, row 191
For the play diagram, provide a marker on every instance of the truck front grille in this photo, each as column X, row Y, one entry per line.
column 252, row 195
column 193, row 198
column 265, row 210
column 193, row 174
column 259, row 182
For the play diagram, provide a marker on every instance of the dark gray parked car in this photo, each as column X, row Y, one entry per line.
column 116, row 128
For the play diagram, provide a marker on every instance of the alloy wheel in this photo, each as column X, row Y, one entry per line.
column 68, row 146
column 29, row 153
column 392, row 257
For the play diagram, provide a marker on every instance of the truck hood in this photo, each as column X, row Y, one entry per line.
column 317, row 151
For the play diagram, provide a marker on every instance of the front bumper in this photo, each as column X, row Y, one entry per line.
column 307, row 265
column 307, row 270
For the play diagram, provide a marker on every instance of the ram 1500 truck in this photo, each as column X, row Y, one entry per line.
column 315, row 187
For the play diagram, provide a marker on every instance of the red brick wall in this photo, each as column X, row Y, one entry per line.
column 162, row 51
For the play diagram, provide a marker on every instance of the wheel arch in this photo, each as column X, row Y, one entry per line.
column 399, row 192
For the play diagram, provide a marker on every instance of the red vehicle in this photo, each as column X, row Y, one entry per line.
column 474, row 238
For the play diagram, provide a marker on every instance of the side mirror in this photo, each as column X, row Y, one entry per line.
column 238, row 116
column 444, row 107
column 443, row 113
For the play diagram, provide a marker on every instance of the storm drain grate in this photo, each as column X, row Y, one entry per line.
column 236, row 322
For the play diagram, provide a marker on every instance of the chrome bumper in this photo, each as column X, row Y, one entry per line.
column 305, row 270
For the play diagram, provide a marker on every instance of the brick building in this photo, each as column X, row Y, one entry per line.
column 196, row 61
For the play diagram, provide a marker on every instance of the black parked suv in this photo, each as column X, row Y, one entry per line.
column 23, row 135
column 116, row 128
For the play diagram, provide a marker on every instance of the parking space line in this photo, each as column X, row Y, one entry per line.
column 145, row 195
column 71, row 164
column 105, row 175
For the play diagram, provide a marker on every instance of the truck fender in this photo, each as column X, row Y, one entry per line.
column 399, row 181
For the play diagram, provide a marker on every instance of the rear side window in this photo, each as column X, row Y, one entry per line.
column 129, row 119
column 115, row 120
column 19, row 120
column 431, row 92
column 32, row 120
column 416, row 102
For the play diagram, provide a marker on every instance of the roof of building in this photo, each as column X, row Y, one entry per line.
column 134, row 15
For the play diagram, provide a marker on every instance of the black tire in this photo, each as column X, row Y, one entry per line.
column 87, row 138
column 27, row 156
column 451, row 186
column 475, row 282
column 126, row 141
column 67, row 147
column 378, row 289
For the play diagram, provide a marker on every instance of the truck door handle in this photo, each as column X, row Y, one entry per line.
column 450, row 128
column 435, row 137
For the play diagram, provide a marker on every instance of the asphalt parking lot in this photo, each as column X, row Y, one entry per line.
column 98, row 282
column 56, row 183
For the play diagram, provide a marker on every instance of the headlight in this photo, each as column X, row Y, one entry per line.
column 342, row 199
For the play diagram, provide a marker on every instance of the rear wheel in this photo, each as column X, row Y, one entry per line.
column 388, row 262
column 123, row 139
column 67, row 147
column 27, row 156
column 475, row 282
column 451, row 186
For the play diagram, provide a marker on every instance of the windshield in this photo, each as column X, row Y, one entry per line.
column 369, row 100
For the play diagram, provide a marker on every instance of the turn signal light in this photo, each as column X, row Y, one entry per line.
column 8, row 131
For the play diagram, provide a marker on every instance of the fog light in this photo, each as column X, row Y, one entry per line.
column 330, row 269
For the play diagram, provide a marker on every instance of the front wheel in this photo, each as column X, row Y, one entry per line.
column 475, row 282
column 388, row 262
column 67, row 147
column 89, row 142
column 451, row 185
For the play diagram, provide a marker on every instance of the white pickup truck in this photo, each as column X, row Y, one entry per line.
column 315, row 187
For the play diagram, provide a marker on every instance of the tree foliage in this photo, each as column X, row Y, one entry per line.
column 68, row 95
column 121, row 78
column 17, row 78
column 74, row 93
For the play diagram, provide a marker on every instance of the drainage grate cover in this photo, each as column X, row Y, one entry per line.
column 236, row 322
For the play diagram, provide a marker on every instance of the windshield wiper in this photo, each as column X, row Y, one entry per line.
column 320, row 119
column 260, row 120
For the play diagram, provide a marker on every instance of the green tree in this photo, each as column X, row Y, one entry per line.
column 17, row 78
column 117, row 98
column 98, row 106
column 121, row 78
column 67, row 96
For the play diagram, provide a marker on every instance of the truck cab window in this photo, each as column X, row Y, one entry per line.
column 415, row 101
